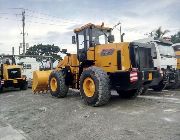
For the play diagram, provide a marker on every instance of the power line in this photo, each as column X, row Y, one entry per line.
column 58, row 18
column 8, row 18
column 41, row 13
column 46, row 23
column 49, row 17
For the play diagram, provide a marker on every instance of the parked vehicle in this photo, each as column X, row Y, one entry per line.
column 29, row 65
column 11, row 74
column 98, row 67
column 165, row 62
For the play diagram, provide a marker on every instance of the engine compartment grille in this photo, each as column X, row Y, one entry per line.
column 14, row 73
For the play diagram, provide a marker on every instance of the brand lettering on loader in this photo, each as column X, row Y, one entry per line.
column 106, row 52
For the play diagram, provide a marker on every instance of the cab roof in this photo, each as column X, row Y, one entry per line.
column 90, row 25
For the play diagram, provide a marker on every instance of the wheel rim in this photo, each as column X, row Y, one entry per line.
column 53, row 84
column 89, row 87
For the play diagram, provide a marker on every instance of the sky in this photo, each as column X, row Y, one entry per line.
column 53, row 21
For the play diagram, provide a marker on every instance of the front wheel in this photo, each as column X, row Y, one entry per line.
column 94, row 86
column 57, row 85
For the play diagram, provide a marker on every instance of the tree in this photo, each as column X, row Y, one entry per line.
column 159, row 33
column 176, row 38
column 45, row 50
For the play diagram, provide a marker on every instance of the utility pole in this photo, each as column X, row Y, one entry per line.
column 12, row 50
column 23, row 33
column 120, row 34
column 19, row 50
column 20, row 46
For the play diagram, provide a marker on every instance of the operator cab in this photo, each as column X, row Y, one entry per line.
column 176, row 47
column 91, row 35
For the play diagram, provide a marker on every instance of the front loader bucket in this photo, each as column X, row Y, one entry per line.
column 40, row 81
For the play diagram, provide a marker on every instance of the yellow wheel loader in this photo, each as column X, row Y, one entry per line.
column 11, row 74
column 177, row 52
column 99, row 67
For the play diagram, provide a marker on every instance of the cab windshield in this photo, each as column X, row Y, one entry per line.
column 165, row 50
column 95, row 36
column 100, row 36
column 177, row 48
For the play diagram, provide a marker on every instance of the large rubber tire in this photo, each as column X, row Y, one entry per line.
column 101, row 81
column 145, row 90
column 159, row 87
column 1, row 89
column 62, row 89
column 129, row 93
column 24, row 85
column 176, row 84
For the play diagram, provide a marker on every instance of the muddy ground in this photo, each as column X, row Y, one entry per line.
column 24, row 115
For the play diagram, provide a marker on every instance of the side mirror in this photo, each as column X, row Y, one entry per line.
column 122, row 37
column 73, row 40
column 92, row 44
column 64, row 51
column 111, row 38
column 155, row 55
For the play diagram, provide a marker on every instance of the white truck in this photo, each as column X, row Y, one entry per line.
column 29, row 65
column 164, row 61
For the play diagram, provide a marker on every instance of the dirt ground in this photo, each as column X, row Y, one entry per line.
column 27, row 116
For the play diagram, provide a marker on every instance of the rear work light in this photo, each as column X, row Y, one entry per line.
column 134, row 75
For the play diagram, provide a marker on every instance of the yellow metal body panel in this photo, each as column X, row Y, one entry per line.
column 5, row 70
column 71, row 61
column 178, row 59
column 109, row 62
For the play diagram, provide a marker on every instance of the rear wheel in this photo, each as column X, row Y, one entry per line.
column 177, row 82
column 94, row 86
column 159, row 87
column 24, row 85
column 57, row 85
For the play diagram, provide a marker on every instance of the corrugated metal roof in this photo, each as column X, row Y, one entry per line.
column 92, row 26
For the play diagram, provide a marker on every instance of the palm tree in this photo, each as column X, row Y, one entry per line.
column 159, row 33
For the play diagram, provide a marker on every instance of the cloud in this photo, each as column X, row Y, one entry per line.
column 61, row 37
column 45, row 23
column 74, row 26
